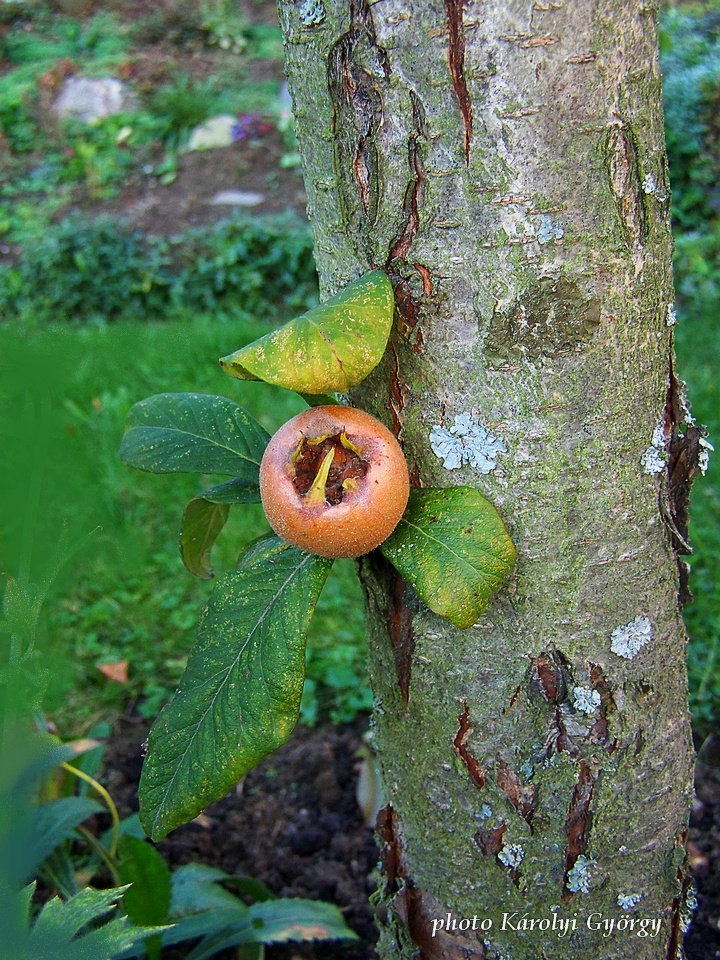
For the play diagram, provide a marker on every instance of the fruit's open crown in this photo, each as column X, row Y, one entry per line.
column 327, row 467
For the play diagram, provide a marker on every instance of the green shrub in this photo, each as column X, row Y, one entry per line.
column 182, row 104
column 247, row 261
column 690, row 55
column 85, row 270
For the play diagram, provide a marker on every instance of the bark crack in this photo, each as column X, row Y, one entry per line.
column 413, row 197
column 401, row 636
column 419, row 912
column 357, row 108
column 456, row 57
column 476, row 770
column 624, row 178
column 578, row 823
column 685, row 446
column 521, row 796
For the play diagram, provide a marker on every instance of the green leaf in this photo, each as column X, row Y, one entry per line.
column 210, row 923
column 195, row 889
column 51, row 823
column 202, row 523
column 148, row 899
column 193, row 433
column 240, row 695
column 234, row 491
column 320, row 399
column 277, row 921
column 330, row 348
column 66, row 930
column 452, row 547
column 289, row 919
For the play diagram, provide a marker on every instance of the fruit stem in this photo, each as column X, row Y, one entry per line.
column 316, row 494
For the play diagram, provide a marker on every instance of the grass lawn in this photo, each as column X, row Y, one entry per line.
column 698, row 362
column 125, row 594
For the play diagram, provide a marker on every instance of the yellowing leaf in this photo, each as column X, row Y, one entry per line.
column 452, row 547
column 330, row 348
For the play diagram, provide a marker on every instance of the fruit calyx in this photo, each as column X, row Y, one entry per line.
column 326, row 468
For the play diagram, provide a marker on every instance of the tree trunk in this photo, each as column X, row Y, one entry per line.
column 504, row 162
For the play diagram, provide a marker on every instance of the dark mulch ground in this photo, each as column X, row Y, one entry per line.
column 703, row 939
column 295, row 824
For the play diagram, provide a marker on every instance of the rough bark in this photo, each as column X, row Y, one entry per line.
column 504, row 162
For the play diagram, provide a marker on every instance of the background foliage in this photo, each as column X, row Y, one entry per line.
column 177, row 303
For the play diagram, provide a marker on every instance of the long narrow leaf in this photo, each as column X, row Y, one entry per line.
column 240, row 696
column 295, row 919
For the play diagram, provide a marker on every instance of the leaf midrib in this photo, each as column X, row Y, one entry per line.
column 196, row 436
column 181, row 758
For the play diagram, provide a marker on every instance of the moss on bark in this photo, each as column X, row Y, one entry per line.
column 504, row 162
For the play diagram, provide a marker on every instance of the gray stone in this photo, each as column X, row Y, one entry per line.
column 237, row 198
column 92, row 98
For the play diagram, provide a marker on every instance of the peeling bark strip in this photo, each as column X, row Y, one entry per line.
column 547, row 676
column 521, row 796
column 476, row 771
column 391, row 853
column 578, row 822
column 625, row 185
column 419, row 912
column 401, row 636
column 456, row 57
column 684, row 449
column 599, row 731
column 678, row 908
column 357, row 107
column 414, row 191
column 490, row 841
column 396, row 399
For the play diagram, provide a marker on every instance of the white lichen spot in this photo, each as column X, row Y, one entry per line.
column 671, row 315
column 630, row 638
column 527, row 770
column 627, row 901
column 549, row 231
column 485, row 812
column 653, row 461
column 578, row 879
column 706, row 449
column 658, row 437
column 466, row 442
column 512, row 855
column 650, row 187
column 586, row 700
column 649, row 184
column 311, row 12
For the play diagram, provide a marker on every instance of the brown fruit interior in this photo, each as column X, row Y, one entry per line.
column 346, row 468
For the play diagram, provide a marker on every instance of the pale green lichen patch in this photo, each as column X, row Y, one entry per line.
column 629, row 639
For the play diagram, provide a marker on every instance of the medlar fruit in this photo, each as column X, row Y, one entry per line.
column 334, row 481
